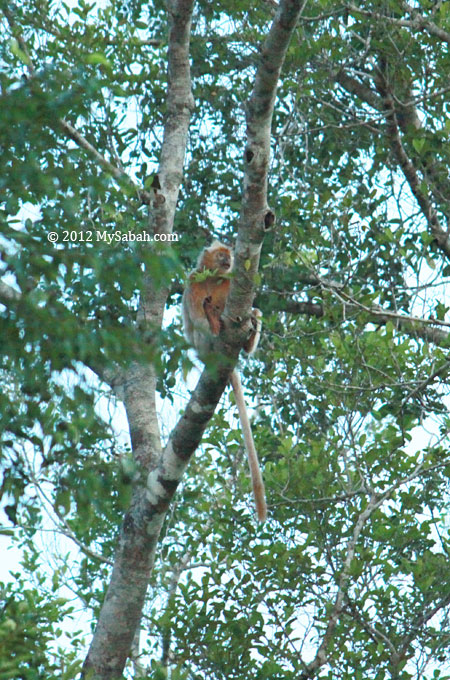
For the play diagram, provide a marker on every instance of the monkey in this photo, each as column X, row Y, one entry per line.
column 203, row 303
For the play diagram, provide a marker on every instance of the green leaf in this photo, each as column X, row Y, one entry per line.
column 98, row 58
column 418, row 143
column 19, row 52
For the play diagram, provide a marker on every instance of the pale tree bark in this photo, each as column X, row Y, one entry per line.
column 122, row 609
column 256, row 217
column 159, row 473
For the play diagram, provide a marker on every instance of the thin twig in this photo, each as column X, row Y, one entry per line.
column 419, row 23
column 70, row 131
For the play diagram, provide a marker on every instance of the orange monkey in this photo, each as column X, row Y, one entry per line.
column 203, row 304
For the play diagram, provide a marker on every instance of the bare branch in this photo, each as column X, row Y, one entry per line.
column 384, row 314
column 360, row 89
column 116, row 172
column 256, row 217
column 374, row 633
column 177, row 571
column 419, row 23
column 403, row 116
column 70, row 131
column 425, row 616
column 428, row 381
column 435, row 171
column 321, row 655
column 375, row 501
column 67, row 531
column 64, row 527
column 139, row 670
column 408, row 108
column 414, row 326
column 157, row 475
column 408, row 169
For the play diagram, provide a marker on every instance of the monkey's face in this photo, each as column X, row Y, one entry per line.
column 218, row 258
column 223, row 260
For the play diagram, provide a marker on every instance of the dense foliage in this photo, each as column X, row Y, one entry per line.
column 349, row 578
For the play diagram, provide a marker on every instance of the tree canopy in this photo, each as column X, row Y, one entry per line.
column 314, row 136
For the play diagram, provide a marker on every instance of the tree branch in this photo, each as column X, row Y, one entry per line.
column 152, row 491
column 360, row 89
column 64, row 528
column 419, row 23
column 436, row 173
column 419, row 621
column 441, row 370
column 321, row 655
column 115, row 172
column 188, row 432
column 180, row 104
column 408, row 169
column 256, row 217
column 69, row 130
column 140, row 532
column 375, row 501
column 414, row 326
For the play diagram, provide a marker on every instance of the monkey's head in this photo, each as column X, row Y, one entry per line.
column 218, row 257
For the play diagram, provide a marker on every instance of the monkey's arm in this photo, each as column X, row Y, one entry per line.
column 213, row 314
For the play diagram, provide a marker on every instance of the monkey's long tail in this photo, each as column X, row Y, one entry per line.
column 255, row 472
